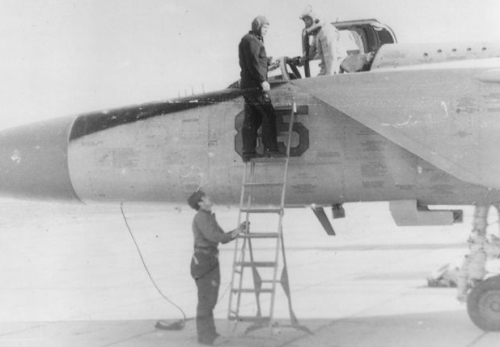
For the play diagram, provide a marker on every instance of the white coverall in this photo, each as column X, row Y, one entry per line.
column 326, row 46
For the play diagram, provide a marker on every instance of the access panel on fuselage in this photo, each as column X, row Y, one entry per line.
column 160, row 158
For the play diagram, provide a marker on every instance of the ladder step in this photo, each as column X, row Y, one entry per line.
column 251, row 290
column 250, row 319
column 259, row 235
column 271, row 281
column 261, row 210
column 256, row 263
column 283, row 107
column 267, row 184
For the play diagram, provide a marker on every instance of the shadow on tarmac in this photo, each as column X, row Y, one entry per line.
column 439, row 329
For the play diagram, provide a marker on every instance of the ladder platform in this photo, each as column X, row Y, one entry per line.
column 259, row 235
column 268, row 159
column 261, row 210
column 256, row 263
column 288, row 108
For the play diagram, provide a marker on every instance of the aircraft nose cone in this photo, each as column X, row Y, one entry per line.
column 33, row 161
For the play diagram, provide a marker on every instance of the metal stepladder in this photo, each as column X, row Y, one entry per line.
column 264, row 264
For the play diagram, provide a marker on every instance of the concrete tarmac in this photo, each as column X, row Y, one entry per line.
column 71, row 276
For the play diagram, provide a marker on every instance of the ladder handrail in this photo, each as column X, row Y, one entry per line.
column 279, row 240
column 235, row 255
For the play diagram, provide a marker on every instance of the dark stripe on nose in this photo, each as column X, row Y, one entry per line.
column 98, row 121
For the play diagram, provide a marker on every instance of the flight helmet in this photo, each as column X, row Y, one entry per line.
column 258, row 22
column 316, row 20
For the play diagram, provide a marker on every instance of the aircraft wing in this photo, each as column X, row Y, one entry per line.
column 447, row 113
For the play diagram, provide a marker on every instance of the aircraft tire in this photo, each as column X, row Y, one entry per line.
column 483, row 304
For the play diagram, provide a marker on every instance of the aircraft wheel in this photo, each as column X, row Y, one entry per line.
column 483, row 304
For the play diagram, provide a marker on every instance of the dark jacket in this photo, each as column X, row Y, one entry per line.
column 253, row 61
column 207, row 232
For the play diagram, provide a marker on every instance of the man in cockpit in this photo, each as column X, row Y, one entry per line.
column 325, row 43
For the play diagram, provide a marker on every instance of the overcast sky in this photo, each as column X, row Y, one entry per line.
column 64, row 57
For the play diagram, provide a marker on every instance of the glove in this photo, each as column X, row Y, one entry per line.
column 265, row 86
column 297, row 61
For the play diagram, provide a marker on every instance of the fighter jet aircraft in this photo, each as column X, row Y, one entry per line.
column 417, row 125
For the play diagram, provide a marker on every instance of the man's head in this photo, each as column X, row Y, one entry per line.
column 260, row 25
column 199, row 200
column 195, row 198
column 311, row 19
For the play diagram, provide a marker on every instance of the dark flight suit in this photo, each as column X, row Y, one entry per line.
column 259, row 109
column 206, row 272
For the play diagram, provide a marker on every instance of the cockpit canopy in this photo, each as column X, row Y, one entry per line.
column 357, row 37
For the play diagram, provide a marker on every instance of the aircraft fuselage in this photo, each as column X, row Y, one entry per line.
column 163, row 151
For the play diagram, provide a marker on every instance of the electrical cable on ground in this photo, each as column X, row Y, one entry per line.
column 179, row 325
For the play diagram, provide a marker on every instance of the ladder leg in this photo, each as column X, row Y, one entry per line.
column 239, row 256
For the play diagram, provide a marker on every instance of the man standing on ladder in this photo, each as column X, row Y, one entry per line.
column 259, row 110
column 205, row 263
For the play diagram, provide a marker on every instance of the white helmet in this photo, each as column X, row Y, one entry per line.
column 316, row 20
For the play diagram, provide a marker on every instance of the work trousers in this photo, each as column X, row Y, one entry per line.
column 205, row 271
column 259, row 111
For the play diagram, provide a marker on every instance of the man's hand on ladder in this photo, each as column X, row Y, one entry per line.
column 243, row 227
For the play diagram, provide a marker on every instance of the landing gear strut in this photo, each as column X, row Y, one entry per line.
column 483, row 300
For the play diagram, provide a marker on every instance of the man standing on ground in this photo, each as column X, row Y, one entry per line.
column 259, row 110
column 205, row 263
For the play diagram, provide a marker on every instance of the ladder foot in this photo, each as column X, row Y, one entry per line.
column 275, row 325
column 255, row 327
column 302, row 328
